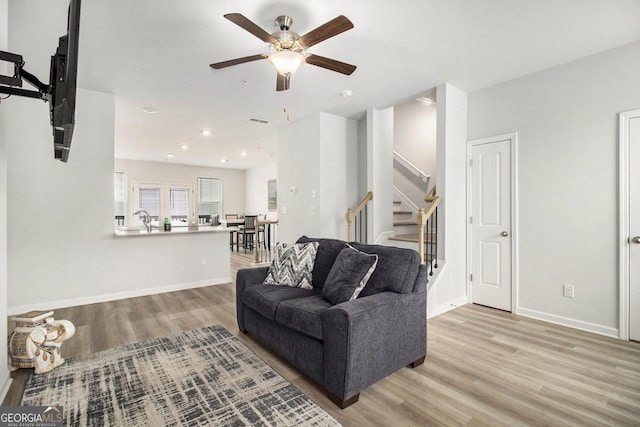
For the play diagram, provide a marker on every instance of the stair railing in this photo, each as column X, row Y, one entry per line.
column 360, row 218
column 411, row 167
column 427, row 221
column 263, row 250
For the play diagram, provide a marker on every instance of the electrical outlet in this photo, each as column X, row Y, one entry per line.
column 203, row 262
column 568, row 291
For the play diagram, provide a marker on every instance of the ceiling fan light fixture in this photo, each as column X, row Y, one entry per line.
column 287, row 61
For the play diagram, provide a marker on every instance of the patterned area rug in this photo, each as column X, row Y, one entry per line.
column 201, row 377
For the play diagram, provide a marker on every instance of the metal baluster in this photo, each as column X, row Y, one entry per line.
column 428, row 249
column 366, row 224
column 435, row 212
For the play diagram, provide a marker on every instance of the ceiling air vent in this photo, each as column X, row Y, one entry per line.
column 264, row 122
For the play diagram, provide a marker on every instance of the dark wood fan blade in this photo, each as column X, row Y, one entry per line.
column 331, row 64
column 283, row 82
column 332, row 28
column 247, row 24
column 232, row 62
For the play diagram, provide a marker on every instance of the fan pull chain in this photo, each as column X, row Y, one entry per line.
column 285, row 107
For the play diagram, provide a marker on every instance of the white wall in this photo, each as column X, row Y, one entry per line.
column 414, row 137
column 233, row 180
column 566, row 119
column 380, row 172
column 256, row 190
column 299, row 169
column 4, row 374
column 338, row 187
column 61, row 247
column 450, row 286
column 314, row 154
column 60, row 244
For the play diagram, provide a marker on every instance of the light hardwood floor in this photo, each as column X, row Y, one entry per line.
column 484, row 366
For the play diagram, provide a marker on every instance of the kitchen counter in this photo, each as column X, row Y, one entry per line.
column 175, row 230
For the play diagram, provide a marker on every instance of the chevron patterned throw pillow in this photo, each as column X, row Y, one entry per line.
column 293, row 265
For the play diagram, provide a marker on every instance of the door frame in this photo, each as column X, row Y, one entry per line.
column 624, row 220
column 513, row 143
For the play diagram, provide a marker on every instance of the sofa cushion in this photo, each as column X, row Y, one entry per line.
column 292, row 265
column 396, row 271
column 349, row 275
column 265, row 298
column 303, row 314
column 328, row 251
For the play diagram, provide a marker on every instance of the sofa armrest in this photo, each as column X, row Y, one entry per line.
column 369, row 338
column 244, row 277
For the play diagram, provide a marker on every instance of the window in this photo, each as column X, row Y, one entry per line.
column 120, row 194
column 150, row 202
column 209, row 196
column 179, row 199
column 160, row 200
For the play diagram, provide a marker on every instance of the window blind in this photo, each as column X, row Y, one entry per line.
column 179, row 198
column 150, row 201
column 120, row 194
column 209, row 196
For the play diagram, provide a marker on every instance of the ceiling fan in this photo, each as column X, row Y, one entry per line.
column 288, row 48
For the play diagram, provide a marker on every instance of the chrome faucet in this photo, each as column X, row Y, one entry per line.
column 146, row 220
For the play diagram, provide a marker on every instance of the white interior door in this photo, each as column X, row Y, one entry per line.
column 634, row 228
column 490, row 223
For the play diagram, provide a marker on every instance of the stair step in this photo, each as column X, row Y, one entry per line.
column 405, row 223
column 406, row 237
column 397, row 202
column 403, row 212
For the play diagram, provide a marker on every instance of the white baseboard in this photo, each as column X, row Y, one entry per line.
column 4, row 387
column 568, row 322
column 383, row 238
column 443, row 308
column 51, row 305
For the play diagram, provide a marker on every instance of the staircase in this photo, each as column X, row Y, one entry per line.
column 405, row 227
column 413, row 229
column 407, row 235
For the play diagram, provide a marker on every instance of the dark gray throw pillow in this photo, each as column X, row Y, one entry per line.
column 349, row 275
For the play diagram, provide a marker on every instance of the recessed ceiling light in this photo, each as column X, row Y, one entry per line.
column 171, row 155
column 224, row 160
column 424, row 100
column 149, row 110
column 347, row 93
column 184, row 146
column 206, row 132
column 243, row 153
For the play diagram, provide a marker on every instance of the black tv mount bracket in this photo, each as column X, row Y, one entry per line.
column 13, row 83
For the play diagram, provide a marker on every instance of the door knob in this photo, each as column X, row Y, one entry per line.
column 636, row 240
column 505, row 234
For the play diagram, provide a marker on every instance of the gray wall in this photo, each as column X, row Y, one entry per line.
column 567, row 124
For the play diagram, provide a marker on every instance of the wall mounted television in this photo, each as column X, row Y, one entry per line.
column 60, row 93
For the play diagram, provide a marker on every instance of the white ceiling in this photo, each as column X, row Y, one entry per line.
column 157, row 53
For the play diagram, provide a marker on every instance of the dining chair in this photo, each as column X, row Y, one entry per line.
column 233, row 237
column 247, row 232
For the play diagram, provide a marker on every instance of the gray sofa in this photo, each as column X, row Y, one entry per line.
column 349, row 346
